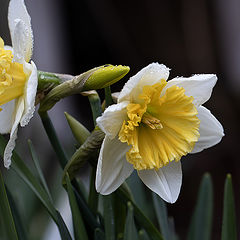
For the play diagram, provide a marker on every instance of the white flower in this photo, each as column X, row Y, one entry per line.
column 18, row 77
column 152, row 126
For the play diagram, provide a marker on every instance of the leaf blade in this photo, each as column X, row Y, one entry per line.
column 229, row 228
column 5, row 211
column 201, row 224
column 79, row 228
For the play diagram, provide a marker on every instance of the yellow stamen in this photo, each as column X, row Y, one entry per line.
column 12, row 76
column 160, row 128
column 151, row 121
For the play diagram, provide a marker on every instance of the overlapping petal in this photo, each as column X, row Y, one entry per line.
column 111, row 121
column 13, row 134
column 29, row 93
column 112, row 168
column 22, row 35
column 198, row 86
column 149, row 75
column 6, row 116
column 166, row 181
column 211, row 130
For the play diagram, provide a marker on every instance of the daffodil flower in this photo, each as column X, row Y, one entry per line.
column 18, row 77
column 154, row 123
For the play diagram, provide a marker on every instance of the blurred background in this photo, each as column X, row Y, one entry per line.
column 187, row 36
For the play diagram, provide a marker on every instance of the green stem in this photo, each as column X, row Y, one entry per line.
column 109, row 220
column 93, row 196
column 46, row 79
column 52, row 135
column 108, row 96
column 95, row 104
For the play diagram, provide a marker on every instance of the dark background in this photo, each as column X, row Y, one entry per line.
column 187, row 36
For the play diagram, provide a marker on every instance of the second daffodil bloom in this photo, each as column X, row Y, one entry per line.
column 18, row 77
column 153, row 125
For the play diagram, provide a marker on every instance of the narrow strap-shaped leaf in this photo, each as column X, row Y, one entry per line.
column 141, row 219
column 64, row 233
column 229, row 228
column 52, row 135
column 201, row 223
column 25, row 174
column 39, row 170
column 143, row 235
column 162, row 216
column 88, row 216
column 6, row 213
column 109, row 221
column 120, row 213
column 130, row 231
column 79, row 228
column 99, row 234
column 20, row 226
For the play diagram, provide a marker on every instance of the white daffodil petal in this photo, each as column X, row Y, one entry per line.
column 111, row 120
column 13, row 135
column 17, row 11
column 149, row 75
column 20, row 46
column 112, row 168
column 166, row 182
column 211, row 130
column 6, row 47
column 199, row 86
column 6, row 116
column 30, row 93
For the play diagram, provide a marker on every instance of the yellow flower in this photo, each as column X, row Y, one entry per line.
column 18, row 77
column 152, row 126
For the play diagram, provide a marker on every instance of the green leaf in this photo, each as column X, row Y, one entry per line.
column 86, row 152
column 64, row 233
column 79, row 228
column 6, row 213
column 39, row 170
column 143, row 235
column 99, row 234
column 109, row 220
column 120, row 213
column 52, row 135
column 20, row 226
column 88, row 216
column 229, row 228
column 162, row 216
column 21, row 169
column 201, row 223
column 130, row 231
column 140, row 218
column 79, row 131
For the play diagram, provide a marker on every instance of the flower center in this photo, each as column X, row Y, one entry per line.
column 12, row 76
column 161, row 127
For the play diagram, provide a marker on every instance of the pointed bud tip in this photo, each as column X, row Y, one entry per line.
column 105, row 76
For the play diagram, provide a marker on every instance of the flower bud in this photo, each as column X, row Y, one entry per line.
column 96, row 78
